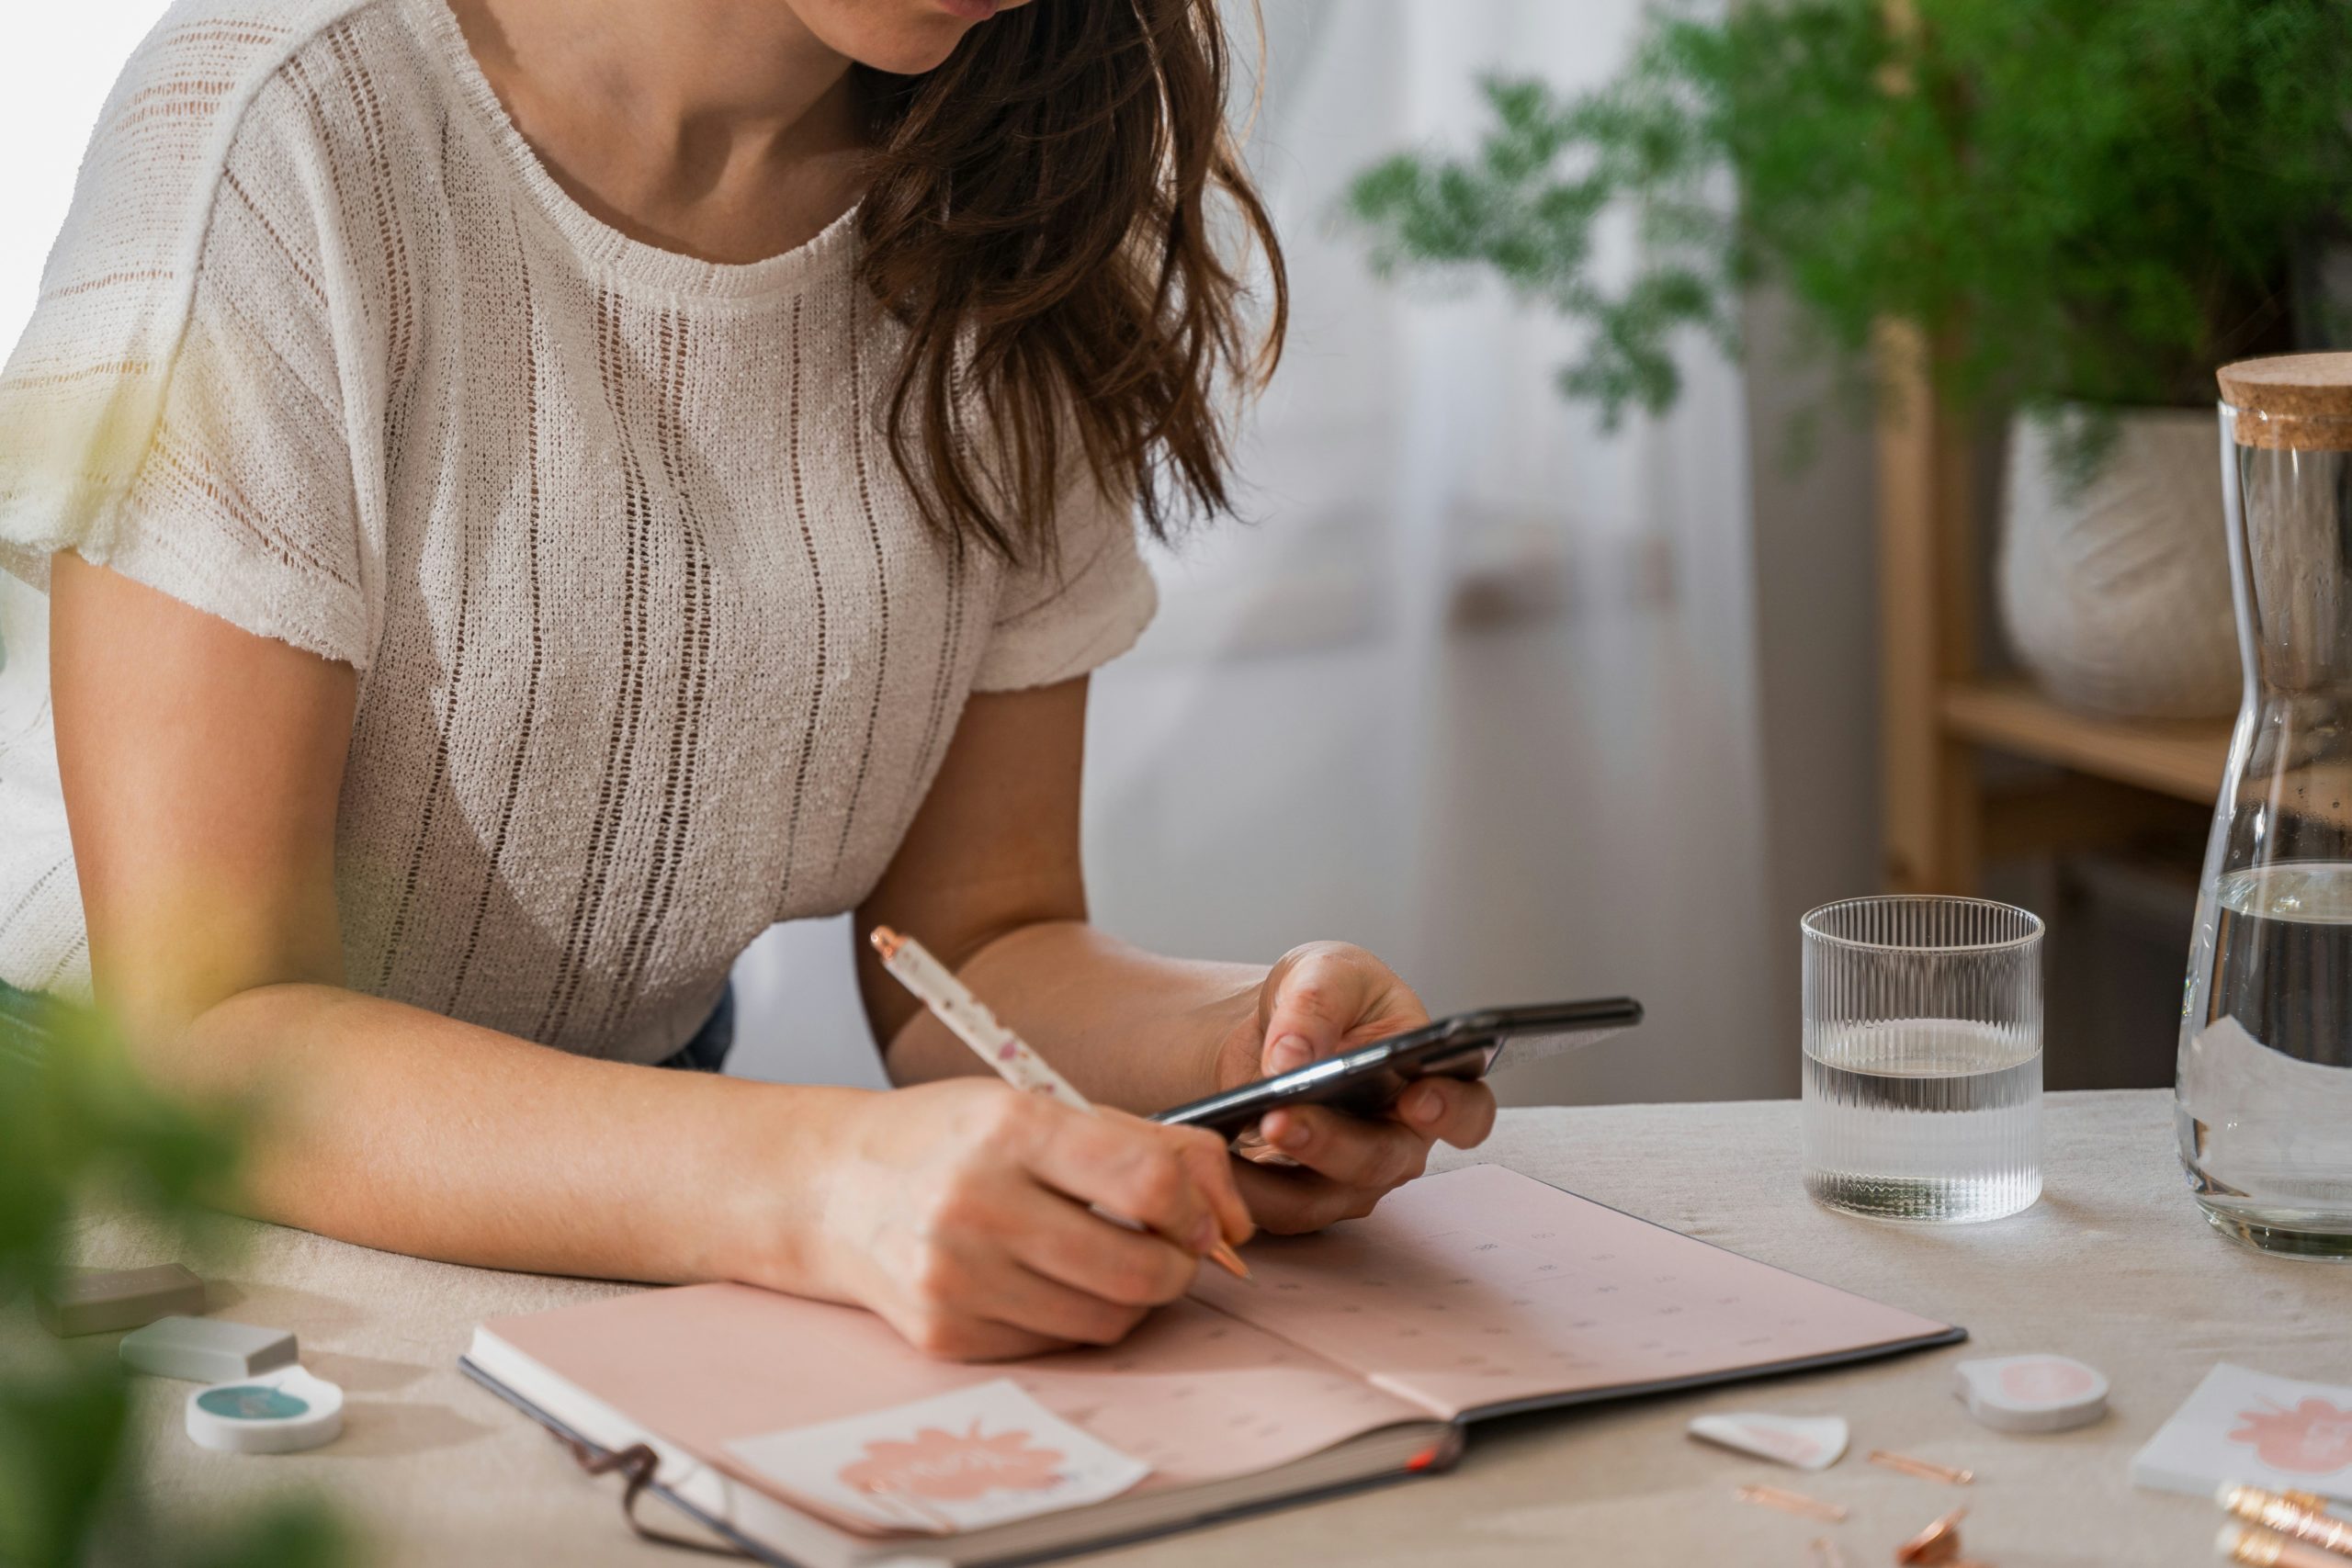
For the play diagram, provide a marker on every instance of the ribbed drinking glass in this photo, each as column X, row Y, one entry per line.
column 1923, row 1057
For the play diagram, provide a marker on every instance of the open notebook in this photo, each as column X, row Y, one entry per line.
column 1356, row 1355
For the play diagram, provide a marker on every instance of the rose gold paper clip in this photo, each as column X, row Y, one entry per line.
column 1790, row 1502
column 1926, row 1470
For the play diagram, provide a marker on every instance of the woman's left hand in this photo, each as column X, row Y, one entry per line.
column 1317, row 1001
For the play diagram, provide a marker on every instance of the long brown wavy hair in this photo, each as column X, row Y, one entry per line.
column 1043, row 218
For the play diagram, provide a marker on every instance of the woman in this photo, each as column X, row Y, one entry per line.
column 526, row 493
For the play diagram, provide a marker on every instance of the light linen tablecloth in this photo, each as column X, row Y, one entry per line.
column 2115, row 1266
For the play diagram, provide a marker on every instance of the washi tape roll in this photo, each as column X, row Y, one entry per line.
column 278, row 1412
column 2031, row 1393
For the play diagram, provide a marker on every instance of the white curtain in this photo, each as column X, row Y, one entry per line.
column 1476, row 687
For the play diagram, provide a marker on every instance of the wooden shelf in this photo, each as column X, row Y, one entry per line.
column 2179, row 757
column 1939, row 710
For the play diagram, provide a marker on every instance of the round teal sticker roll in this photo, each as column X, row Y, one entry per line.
column 250, row 1402
column 275, row 1413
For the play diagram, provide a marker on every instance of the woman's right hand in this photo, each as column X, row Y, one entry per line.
column 958, row 1211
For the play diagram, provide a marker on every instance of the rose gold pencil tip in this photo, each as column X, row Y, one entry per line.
column 887, row 942
column 1224, row 1258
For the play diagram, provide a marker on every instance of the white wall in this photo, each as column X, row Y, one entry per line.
column 56, row 63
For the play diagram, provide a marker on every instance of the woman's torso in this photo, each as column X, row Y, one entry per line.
column 658, row 651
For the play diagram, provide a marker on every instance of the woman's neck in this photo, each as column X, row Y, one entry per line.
column 722, row 128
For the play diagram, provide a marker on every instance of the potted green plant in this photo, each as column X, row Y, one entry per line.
column 2089, row 205
column 81, row 1133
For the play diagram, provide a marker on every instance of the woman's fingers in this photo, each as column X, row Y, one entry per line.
column 1315, row 1001
column 1352, row 1150
column 1292, row 1203
column 954, row 1336
column 1323, row 995
column 956, row 1305
column 1025, row 1301
column 1206, row 1159
column 1004, row 1311
column 1448, row 1110
column 1126, row 1269
column 1348, row 1163
column 1158, row 1177
column 970, row 1228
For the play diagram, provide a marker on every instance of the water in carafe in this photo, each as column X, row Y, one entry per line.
column 2265, row 1086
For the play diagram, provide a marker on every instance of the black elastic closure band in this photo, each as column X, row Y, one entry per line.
column 636, row 1464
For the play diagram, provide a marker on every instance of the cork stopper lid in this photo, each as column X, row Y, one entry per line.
column 2294, row 401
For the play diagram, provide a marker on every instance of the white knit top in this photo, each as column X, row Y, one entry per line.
column 653, row 649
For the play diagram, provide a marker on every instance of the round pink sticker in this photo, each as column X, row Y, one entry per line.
column 2044, row 1383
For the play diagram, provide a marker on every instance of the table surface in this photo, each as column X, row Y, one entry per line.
column 2115, row 1266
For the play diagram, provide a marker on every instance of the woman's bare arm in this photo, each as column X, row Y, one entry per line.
column 202, row 767
column 990, row 878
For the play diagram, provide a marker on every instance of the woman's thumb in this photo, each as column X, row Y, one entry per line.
column 1310, row 1013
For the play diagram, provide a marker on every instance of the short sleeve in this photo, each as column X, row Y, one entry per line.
column 1061, row 617
column 174, row 408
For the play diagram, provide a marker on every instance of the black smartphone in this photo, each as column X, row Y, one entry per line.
column 1368, row 1079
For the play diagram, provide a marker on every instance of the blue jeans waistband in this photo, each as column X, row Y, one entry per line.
column 706, row 1051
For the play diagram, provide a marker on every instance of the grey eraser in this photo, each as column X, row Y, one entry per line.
column 97, row 1300
column 205, row 1349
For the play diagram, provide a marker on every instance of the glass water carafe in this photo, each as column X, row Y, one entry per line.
column 2265, row 1092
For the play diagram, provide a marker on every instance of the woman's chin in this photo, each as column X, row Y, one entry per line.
column 924, row 46
column 906, row 37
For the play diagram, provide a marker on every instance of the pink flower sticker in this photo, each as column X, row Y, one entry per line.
column 977, row 1456
column 2312, row 1439
column 939, row 1466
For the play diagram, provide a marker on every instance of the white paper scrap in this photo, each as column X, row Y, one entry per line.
column 1808, row 1442
column 2277, row 1433
column 984, row 1455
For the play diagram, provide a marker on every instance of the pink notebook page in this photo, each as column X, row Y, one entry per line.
column 1482, row 1286
column 1194, row 1393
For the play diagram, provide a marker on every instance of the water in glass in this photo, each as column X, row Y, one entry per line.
column 2265, row 1067
column 1927, row 1118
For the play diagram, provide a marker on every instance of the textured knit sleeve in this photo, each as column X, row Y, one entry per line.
column 1057, row 619
column 174, row 410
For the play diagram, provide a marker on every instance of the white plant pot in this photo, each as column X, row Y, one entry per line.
column 2116, row 593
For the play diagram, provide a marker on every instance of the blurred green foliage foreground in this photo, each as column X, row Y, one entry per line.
column 2079, row 201
column 79, row 1134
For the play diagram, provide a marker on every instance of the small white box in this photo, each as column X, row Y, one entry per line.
column 205, row 1349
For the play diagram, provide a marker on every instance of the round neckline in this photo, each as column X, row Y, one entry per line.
column 602, row 246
